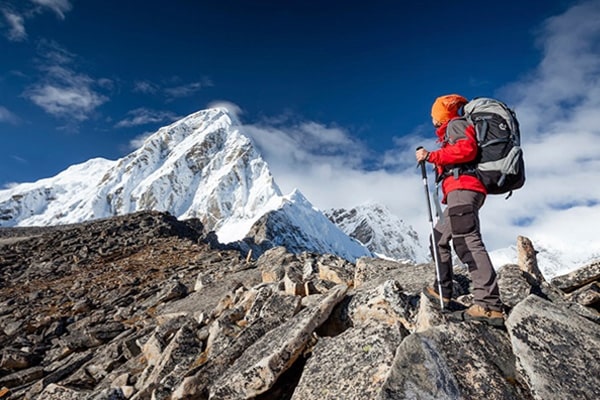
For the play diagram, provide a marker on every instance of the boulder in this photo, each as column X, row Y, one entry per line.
column 557, row 351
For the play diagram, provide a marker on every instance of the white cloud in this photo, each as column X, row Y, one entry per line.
column 327, row 165
column 66, row 93
column 138, row 141
column 18, row 13
column 10, row 185
column 7, row 116
column 16, row 25
column 143, row 116
column 172, row 89
column 558, row 106
column 310, row 142
column 233, row 108
column 329, row 170
column 62, row 91
column 187, row 89
column 20, row 160
column 145, row 87
column 52, row 53
column 60, row 7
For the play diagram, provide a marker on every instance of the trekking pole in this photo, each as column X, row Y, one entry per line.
column 433, row 243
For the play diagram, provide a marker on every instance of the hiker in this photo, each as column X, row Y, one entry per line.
column 463, row 195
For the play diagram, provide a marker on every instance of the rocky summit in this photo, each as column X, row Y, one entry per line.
column 145, row 306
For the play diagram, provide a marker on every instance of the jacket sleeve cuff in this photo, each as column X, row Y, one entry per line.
column 430, row 157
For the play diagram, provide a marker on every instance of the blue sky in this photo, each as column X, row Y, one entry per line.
column 335, row 93
column 77, row 73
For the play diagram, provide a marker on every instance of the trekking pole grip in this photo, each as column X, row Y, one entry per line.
column 422, row 164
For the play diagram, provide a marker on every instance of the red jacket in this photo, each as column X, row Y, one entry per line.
column 459, row 146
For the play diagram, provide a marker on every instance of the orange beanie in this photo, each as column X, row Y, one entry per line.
column 446, row 107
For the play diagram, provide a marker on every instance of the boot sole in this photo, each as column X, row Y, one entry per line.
column 496, row 322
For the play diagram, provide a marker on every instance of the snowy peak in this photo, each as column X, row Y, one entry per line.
column 380, row 231
column 201, row 166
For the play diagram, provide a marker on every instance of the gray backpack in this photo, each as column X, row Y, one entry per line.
column 499, row 164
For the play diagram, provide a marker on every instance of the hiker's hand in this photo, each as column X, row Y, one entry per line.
column 421, row 155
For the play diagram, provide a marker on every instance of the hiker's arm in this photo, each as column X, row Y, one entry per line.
column 461, row 147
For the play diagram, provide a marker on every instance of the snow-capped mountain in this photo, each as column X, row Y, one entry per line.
column 200, row 166
column 382, row 232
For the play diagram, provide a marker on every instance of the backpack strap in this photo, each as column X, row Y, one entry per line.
column 481, row 130
column 456, row 131
column 481, row 126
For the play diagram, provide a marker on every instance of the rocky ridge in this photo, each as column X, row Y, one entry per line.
column 145, row 306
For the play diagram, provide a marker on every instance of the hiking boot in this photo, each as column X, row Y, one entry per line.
column 434, row 297
column 481, row 314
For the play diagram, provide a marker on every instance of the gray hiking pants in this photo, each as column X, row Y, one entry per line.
column 461, row 225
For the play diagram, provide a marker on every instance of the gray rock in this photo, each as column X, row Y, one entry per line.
column 172, row 291
column 527, row 258
column 108, row 394
column 376, row 269
column 59, row 370
column 22, row 377
column 334, row 269
column 14, row 359
column 515, row 284
column 557, row 351
column 366, row 355
column 454, row 361
column 385, row 303
column 578, row 278
column 264, row 361
column 269, row 310
column 589, row 295
column 169, row 371
column 57, row 392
